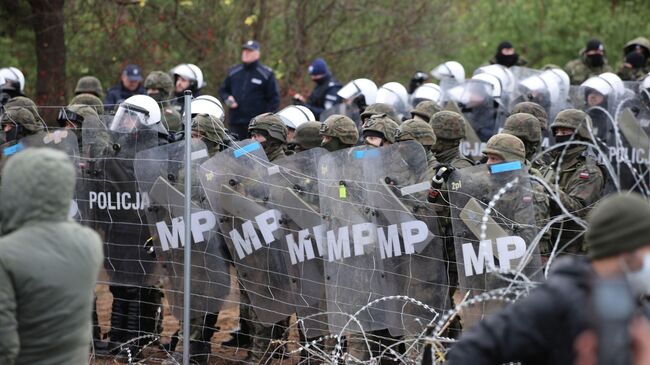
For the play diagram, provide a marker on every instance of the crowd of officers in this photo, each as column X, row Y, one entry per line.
column 336, row 117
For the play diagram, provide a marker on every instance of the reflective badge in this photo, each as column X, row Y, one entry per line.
column 246, row 149
column 256, row 81
column 505, row 167
column 13, row 149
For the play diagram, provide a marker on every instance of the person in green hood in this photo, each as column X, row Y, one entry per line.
column 48, row 263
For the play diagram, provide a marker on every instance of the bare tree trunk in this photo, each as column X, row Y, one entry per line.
column 50, row 55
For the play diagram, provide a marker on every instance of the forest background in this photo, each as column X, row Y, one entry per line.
column 54, row 42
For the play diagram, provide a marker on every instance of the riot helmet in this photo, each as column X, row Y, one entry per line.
column 426, row 92
column 395, row 95
column 191, row 73
column 362, row 92
column 14, row 81
column 138, row 112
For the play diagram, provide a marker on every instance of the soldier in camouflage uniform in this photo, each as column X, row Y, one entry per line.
column 379, row 130
column 307, row 136
column 425, row 110
column 269, row 130
column 636, row 62
column 449, row 128
column 535, row 110
column 89, row 85
column 211, row 131
column 592, row 62
column 18, row 122
column 338, row 132
column 90, row 100
column 580, row 180
column 28, row 103
column 421, row 132
column 380, row 108
column 160, row 87
column 527, row 128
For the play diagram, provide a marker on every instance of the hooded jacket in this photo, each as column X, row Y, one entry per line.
column 538, row 329
column 48, row 263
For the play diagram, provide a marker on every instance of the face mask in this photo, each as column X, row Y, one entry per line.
column 562, row 139
column 595, row 60
column 640, row 280
column 332, row 145
column 159, row 97
column 507, row 60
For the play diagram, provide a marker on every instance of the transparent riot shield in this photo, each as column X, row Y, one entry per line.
column 160, row 173
column 521, row 73
column 471, row 145
column 353, row 264
column 495, row 233
column 630, row 153
column 234, row 184
column 294, row 192
column 114, row 206
column 407, row 236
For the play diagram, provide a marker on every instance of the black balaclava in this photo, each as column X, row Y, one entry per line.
column 595, row 60
column 506, row 60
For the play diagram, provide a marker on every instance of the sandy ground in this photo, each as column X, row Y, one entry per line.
column 227, row 322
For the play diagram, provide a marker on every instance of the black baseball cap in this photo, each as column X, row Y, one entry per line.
column 133, row 72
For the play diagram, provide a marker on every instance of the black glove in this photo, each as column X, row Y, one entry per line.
column 442, row 174
column 417, row 80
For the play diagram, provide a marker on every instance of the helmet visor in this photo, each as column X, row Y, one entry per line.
column 129, row 118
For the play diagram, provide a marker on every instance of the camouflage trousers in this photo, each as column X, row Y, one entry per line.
column 261, row 334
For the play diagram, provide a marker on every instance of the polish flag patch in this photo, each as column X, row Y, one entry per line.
column 584, row 175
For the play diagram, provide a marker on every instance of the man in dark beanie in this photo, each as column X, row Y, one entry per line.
column 507, row 56
column 542, row 327
column 324, row 94
column 592, row 62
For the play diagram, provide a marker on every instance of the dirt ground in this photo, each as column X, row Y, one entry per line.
column 228, row 321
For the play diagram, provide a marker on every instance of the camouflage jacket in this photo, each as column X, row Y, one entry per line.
column 579, row 186
column 579, row 71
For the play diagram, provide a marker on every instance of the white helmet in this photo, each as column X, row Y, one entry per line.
column 138, row 111
column 295, row 115
column 504, row 75
column 13, row 76
column 493, row 82
column 358, row 87
column 190, row 72
column 207, row 104
column 608, row 84
column 449, row 69
column 428, row 91
column 550, row 81
column 645, row 83
column 394, row 94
